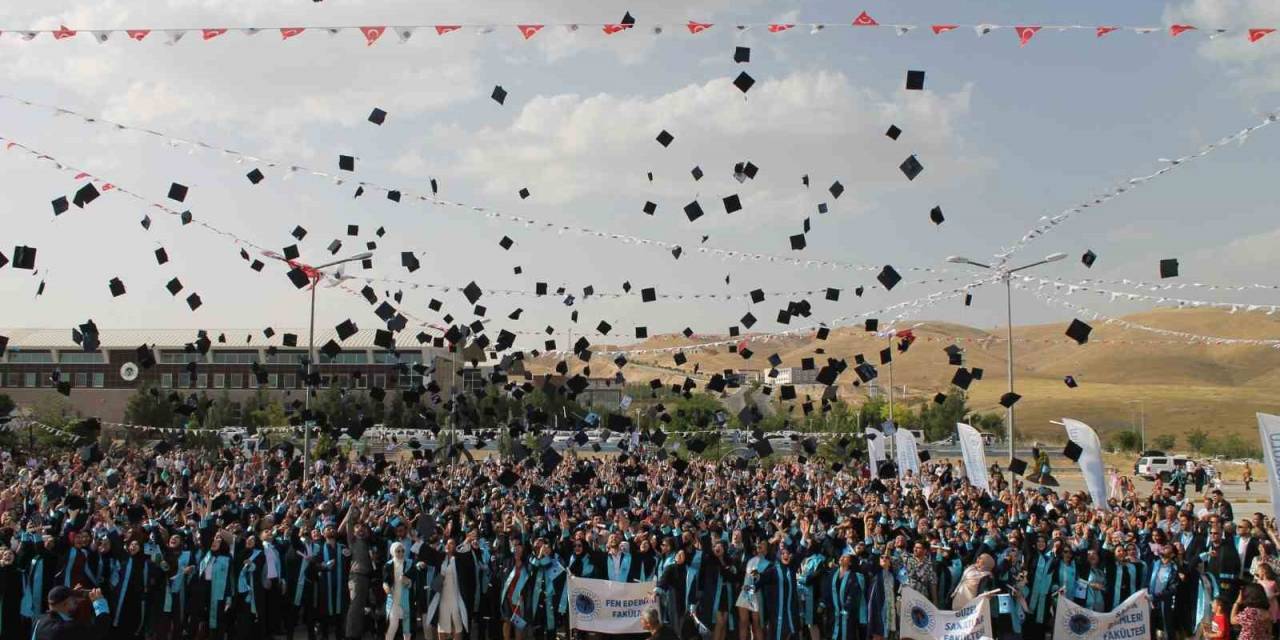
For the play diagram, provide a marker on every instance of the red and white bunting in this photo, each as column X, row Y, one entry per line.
column 1102, row 31
column 289, row 32
column 529, row 30
column 371, row 34
column 442, row 29
column 1258, row 34
column 698, row 27
column 137, row 34
column 1179, row 29
column 63, row 33
column 865, row 20
column 610, row 29
column 209, row 34
column 1025, row 34
column 779, row 28
column 943, row 28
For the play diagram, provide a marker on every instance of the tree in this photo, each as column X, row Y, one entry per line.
column 1165, row 442
column 1197, row 439
column 149, row 408
column 1127, row 440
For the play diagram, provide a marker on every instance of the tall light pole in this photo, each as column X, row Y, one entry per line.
column 1142, row 417
column 316, row 274
column 1006, row 274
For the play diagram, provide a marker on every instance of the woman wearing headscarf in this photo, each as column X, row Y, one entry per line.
column 882, row 601
column 250, row 596
column 450, row 608
column 214, row 590
column 514, row 597
column 677, row 588
column 718, row 576
column 133, row 577
column 781, row 610
column 179, row 567
column 844, row 594
column 1040, row 567
column 398, row 575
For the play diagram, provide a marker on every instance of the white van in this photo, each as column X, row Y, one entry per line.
column 1151, row 467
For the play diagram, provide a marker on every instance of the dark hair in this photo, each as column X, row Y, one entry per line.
column 1252, row 595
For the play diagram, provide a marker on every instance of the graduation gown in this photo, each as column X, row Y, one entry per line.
column 549, row 581
column 250, row 594
column 331, row 578
column 464, row 571
column 717, row 589
column 513, row 597
column 12, row 625
column 781, row 612
column 677, row 591
column 133, row 579
column 1123, row 580
column 39, row 570
column 408, row 603
column 844, row 596
column 213, row 589
column 882, row 604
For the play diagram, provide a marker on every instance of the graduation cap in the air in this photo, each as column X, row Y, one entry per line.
column 915, row 80
column 911, row 167
column 1070, row 381
column 377, row 116
column 499, row 94
column 742, row 54
column 762, row 448
column 1017, row 467
column 1009, row 399
column 935, row 214
column 1079, row 331
column 744, row 82
column 893, row 132
column 1072, row 451
column 1169, row 268
column 1088, row 258
column 888, row 277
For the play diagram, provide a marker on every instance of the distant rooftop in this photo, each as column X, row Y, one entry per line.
column 20, row 339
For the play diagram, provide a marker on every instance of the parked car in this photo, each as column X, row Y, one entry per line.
column 1152, row 467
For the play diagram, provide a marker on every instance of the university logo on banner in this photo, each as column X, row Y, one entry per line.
column 1129, row 621
column 605, row 606
column 1269, row 431
column 920, row 619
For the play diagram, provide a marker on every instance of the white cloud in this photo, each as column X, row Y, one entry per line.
column 574, row 146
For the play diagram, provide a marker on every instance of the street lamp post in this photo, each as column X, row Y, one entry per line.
column 311, row 360
column 1006, row 274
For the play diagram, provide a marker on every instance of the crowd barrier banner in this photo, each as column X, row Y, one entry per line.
column 975, row 458
column 920, row 619
column 1269, row 429
column 908, row 457
column 1129, row 621
column 875, row 447
column 604, row 606
column 1090, row 460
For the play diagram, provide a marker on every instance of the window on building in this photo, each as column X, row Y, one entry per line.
column 253, row 381
column 362, row 382
column 29, row 379
column 237, row 380
column 219, row 380
column 38, row 357
column 202, row 380
column 166, row 380
column 81, row 357
column 346, row 357
column 179, row 357
column 223, row 357
column 99, row 380
column 290, row 381
column 81, row 380
column 286, row 357
column 273, row 380
column 380, row 380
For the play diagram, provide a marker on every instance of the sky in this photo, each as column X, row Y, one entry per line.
column 1007, row 134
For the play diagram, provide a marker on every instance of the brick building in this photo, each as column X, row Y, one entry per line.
column 100, row 389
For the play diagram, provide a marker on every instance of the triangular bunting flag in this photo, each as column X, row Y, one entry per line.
column 175, row 36
column 943, row 28
column 778, row 28
column 289, row 32
column 138, row 34
column 865, row 20
column 63, row 33
column 984, row 29
column 101, row 36
column 903, row 29
column 405, row 33
column 209, row 34
column 698, row 27
column 1102, row 31
column 610, row 29
column 1025, row 34
column 371, row 34
column 1176, row 30
column 442, row 29
column 529, row 30
column 1258, row 34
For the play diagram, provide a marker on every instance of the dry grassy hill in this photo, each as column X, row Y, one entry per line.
column 1180, row 386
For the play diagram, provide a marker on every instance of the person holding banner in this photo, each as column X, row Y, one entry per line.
column 1123, row 576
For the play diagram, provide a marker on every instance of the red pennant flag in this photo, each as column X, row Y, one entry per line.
column 81, row 176
column 865, row 20
column 107, row 186
column 210, row 34
column 1258, row 34
column 1025, row 34
column 1178, row 29
column 442, row 29
column 371, row 34
column 529, row 30
column 943, row 28
column 63, row 33
column 137, row 34
column 1102, row 31
column 778, row 28
column 289, row 32
column 610, row 29
column 698, row 27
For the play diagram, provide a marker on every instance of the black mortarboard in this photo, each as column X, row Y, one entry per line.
column 523, row 193
column 499, row 94
column 696, row 173
column 289, row 339
column 506, row 242
column 911, row 167
column 732, row 204
column 976, row 372
column 298, row 277
column 472, row 292
column 886, row 355
column 889, row 277
column 744, row 81
column 923, row 455
column 393, row 195
column 650, row 207
column 642, row 332
column 1072, row 451
column 798, row 242
column 409, row 261
column 177, row 192
column 962, row 378
column 935, row 214
column 346, row 329
column 693, row 210
column 346, row 163
column 24, row 257
column 1169, row 268
column 1079, row 331
column 1017, row 467
column 161, row 256
column 665, row 139
column 748, row 320
column 915, row 80
column 871, row 324
column 696, row 445
column 823, row 332
column 680, row 358
column 893, row 132
column 762, row 448
column 194, row 301
column 1070, row 381
column 377, row 116
column 331, row 349
column 255, row 176
column 742, row 54
column 939, row 398
column 836, row 189
column 787, row 392
column 1088, row 258
column 117, row 287
column 508, row 478
column 1009, row 399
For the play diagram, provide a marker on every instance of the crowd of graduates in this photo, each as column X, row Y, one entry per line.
column 189, row 544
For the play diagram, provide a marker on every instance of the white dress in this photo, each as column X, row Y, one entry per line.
column 451, row 618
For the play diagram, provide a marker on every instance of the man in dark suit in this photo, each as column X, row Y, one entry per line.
column 1247, row 547
column 59, row 622
column 1222, row 564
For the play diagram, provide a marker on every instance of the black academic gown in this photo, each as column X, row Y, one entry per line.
column 781, row 614
column 845, row 599
column 134, row 579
